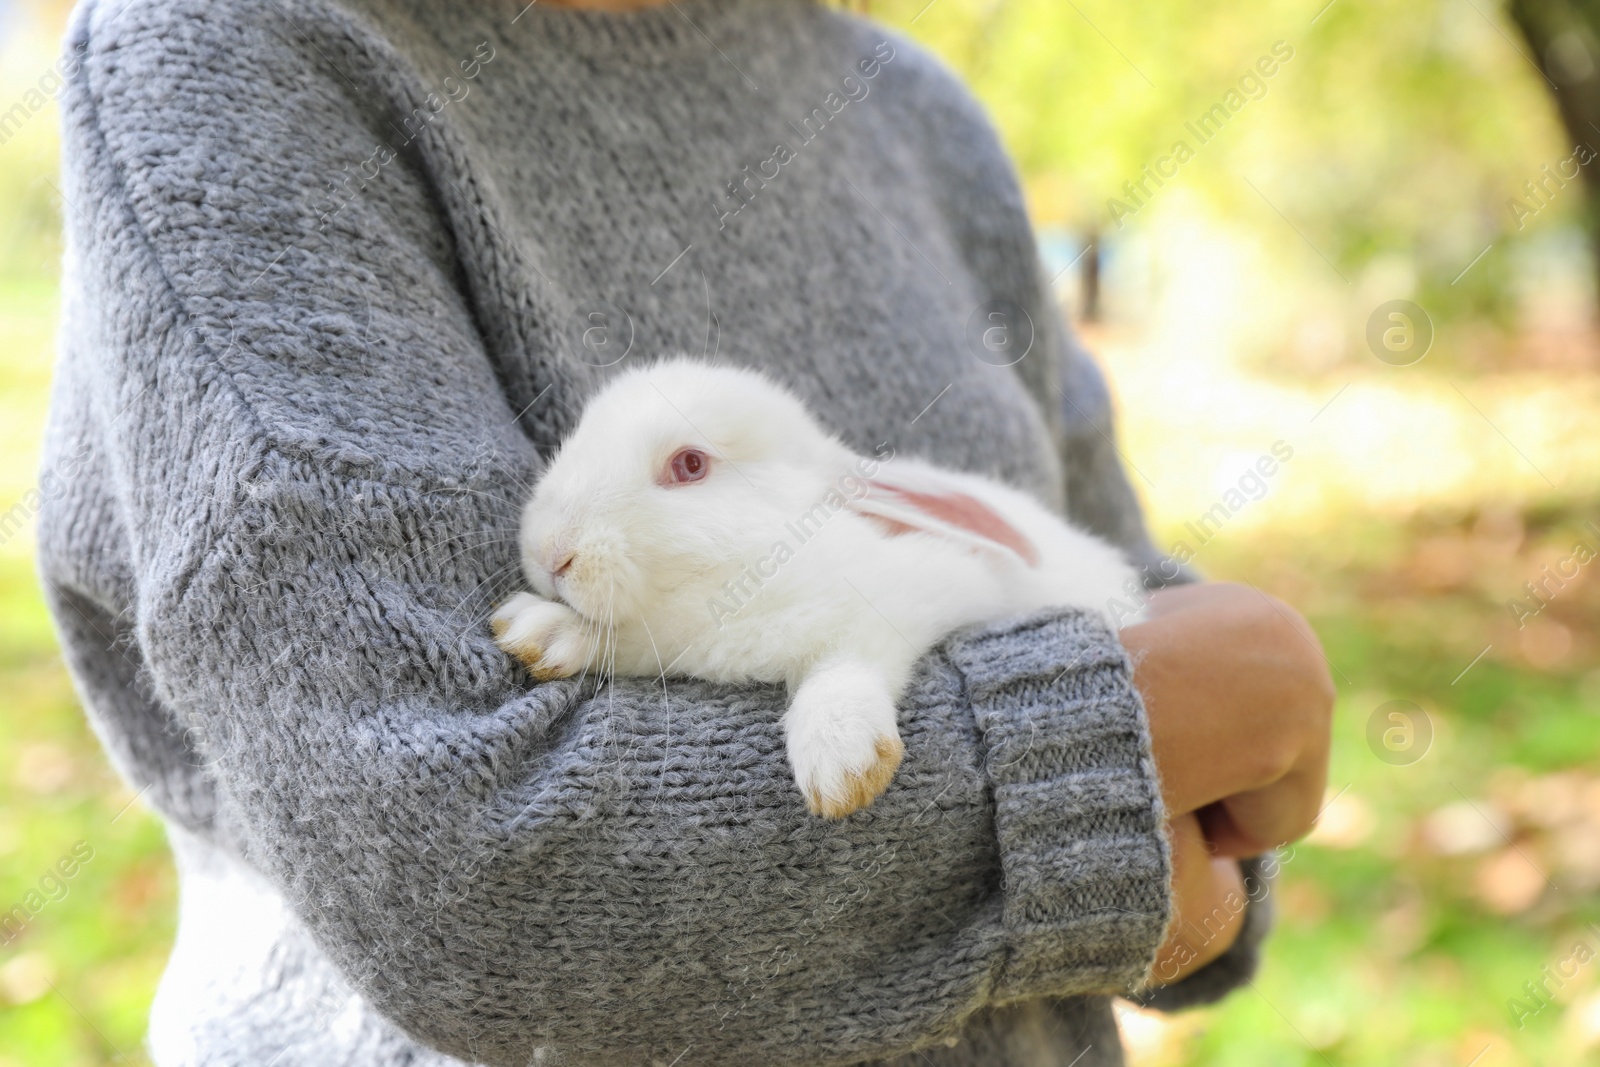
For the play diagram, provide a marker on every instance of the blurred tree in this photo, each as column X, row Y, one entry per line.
column 1394, row 135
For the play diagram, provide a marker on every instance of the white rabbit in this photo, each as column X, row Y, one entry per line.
column 699, row 522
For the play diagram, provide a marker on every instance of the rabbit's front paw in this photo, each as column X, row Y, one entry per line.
column 548, row 637
column 843, row 744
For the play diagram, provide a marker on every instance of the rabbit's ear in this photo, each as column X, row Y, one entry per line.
column 928, row 507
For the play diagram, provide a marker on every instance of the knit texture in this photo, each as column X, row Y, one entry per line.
column 332, row 281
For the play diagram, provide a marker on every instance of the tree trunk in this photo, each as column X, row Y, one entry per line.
column 1565, row 39
column 1089, row 278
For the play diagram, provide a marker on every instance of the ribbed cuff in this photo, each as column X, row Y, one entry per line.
column 1077, row 806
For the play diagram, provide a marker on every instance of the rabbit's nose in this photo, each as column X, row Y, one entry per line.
column 562, row 564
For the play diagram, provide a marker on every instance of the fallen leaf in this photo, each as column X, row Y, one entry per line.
column 1465, row 827
column 1507, row 882
column 1545, row 642
column 1346, row 822
column 26, row 978
column 44, row 767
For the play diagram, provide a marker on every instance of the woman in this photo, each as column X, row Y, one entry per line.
column 340, row 275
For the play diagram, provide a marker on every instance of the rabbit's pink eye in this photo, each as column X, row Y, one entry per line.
column 687, row 465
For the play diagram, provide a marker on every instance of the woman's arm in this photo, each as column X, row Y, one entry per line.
column 312, row 475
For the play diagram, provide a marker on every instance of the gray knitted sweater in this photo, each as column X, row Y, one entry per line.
column 340, row 274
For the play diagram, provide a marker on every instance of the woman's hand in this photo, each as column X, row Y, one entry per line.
column 1240, row 703
column 1208, row 895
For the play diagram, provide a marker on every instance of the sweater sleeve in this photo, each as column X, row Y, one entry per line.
column 307, row 474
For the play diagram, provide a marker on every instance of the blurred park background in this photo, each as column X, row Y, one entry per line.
column 1362, row 257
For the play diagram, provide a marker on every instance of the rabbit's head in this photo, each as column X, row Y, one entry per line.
column 676, row 474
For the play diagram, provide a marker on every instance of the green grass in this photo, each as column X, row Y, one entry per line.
column 1389, row 951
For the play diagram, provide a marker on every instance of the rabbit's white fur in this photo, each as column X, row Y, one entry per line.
column 794, row 560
